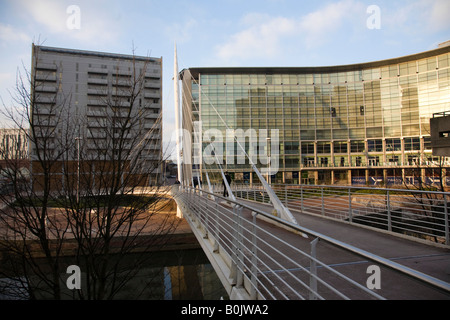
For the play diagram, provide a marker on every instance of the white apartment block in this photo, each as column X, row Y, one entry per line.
column 91, row 88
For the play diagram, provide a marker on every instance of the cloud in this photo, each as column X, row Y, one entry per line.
column 57, row 18
column 439, row 15
column 260, row 39
column 263, row 35
column 181, row 33
column 320, row 25
column 49, row 13
column 418, row 17
column 9, row 33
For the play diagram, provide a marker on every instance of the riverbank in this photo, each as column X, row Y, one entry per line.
column 178, row 236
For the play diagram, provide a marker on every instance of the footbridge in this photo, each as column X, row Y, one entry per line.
column 270, row 241
column 340, row 243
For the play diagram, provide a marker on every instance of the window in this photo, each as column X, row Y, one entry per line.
column 375, row 145
column 374, row 161
column 324, row 162
column 412, row 144
column 357, row 146
column 427, row 143
column 291, row 147
column 393, row 145
column 333, row 112
column 307, row 148
column 340, row 147
column 308, row 162
column 323, row 147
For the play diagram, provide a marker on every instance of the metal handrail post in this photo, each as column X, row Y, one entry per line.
column 240, row 249
column 313, row 271
column 217, row 235
column 207, row 223
column 446, row 226
column 301, row 198
column 254, row 267
column 323, row 201
column 388, row 204
column 350, row 213
column 285, row 196
column 234, row 249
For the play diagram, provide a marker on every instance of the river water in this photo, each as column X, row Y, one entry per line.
column 169, row 275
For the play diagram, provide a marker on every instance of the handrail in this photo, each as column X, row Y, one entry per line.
column 434, row 282
column 423, row 214
column 297, row 186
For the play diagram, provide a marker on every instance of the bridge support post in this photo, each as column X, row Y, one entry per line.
column 350, row 214
column 285, row 196
column 234, row 251
column 216, row 226
column 388, row 207
column 446, row 226
column 240, row 248
column 313, row 271
column 323, row 201
column 254, row 268
column 301, row 199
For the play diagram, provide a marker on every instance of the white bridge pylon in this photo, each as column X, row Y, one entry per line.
column 280, row 210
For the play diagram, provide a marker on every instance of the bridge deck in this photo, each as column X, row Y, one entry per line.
column 428, row 259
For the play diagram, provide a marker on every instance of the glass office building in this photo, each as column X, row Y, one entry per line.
column 365, row 123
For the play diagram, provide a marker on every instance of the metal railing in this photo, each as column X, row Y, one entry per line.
column 271, row 264
column 420, row 214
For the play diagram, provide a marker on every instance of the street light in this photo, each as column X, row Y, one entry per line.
column 78, row 167
column 269, row 178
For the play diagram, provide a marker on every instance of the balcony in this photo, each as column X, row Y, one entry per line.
column 152, row 94
column 152, row 84
column 96, row 102
column 45, row 89
column 45, row 77
column 153, row 74
column 97, row 81
column 98, row 70
column 96, row 92
column 45, row 99
column 46, row 66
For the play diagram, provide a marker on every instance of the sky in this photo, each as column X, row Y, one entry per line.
column 226, row 33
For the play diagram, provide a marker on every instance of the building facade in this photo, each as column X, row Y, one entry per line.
column 366, row 124
column 13, row 144
column 90, row 102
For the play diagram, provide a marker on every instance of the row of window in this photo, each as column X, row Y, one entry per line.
column 376, row 145
column 395, row 70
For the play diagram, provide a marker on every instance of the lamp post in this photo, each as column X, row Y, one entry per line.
column 78, row 168
column 269, row 178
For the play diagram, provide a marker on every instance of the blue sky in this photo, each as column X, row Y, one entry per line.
column 222, row 33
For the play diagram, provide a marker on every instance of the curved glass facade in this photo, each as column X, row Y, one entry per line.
column 355, row 124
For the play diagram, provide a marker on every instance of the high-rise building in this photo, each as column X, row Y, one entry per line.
column 107, row 105
column 365, row 123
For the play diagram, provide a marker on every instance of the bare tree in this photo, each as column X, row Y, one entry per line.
column 85, row 201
